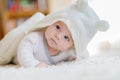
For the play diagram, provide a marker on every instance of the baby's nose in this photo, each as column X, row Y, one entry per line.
column 58, row 36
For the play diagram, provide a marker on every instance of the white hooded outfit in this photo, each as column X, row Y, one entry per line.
column 33, row 50
column 81, row 20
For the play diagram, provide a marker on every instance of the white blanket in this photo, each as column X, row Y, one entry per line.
column 93, row 68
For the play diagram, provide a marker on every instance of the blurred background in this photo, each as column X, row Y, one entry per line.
column 15, row 12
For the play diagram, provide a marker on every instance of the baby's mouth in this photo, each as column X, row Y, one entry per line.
column 53, row 41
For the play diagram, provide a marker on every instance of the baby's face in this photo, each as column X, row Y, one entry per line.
column 58, row 36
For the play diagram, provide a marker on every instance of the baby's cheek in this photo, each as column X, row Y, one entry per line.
column 66, row 47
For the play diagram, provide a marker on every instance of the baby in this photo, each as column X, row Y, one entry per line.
column 40, row 48
column 46, row 40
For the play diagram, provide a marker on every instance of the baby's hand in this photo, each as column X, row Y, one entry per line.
column 72, row 58
column 41, row 64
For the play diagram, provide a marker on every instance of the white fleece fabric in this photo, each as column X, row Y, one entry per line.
column 93, row 68
column 9, row 44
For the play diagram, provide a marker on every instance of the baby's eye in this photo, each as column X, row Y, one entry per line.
column 57, row 27
column 67, row 38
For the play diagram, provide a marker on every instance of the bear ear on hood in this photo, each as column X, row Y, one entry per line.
column 82, row 4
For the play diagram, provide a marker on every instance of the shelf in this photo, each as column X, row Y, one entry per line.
column 14, row 12
column 23, row 14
